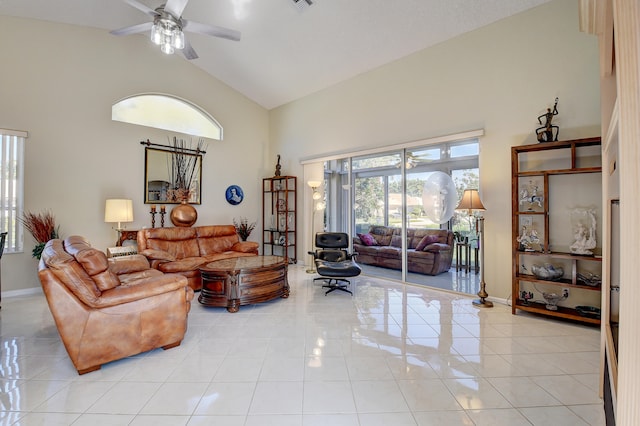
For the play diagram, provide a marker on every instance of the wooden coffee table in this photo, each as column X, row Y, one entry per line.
column 230, row 283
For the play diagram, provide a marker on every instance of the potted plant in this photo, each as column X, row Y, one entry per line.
column 244, row 228
column 183, row 169
column 42, row 228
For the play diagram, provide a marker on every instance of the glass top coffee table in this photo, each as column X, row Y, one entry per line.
column 230, row 283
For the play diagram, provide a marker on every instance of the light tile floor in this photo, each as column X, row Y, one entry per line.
column 390, row 355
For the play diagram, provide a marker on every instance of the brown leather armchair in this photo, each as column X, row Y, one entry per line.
column 108, row 309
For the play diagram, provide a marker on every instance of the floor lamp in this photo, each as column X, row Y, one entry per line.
column 314, row 184
column 472, row 203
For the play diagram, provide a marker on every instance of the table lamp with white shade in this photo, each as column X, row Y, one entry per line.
column 118, row 211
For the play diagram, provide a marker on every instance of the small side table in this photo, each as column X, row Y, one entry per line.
column 476, row 263
column 463, row 256
column 464, row 252
column 127, row 234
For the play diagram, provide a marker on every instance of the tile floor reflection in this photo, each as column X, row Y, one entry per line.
column 459, row 281
column 390, row 355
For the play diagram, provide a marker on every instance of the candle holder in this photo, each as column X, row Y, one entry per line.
column 153, row 216
column 162, row 213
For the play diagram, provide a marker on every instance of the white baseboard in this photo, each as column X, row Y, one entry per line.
column 498, row 300
column 22, row 292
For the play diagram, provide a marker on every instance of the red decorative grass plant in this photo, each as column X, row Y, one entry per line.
column 42, row 228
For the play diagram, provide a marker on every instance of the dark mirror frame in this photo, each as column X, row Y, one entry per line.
column 157, row 180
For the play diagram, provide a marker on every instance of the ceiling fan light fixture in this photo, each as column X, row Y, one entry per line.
column 167, row 48
column 156, row 34
column 167, row 33
column 178, row 40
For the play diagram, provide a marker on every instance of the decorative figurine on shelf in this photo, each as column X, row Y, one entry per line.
column 528, row 239
column 526, row 296
column 278, row 167
column 548, row 132
column 529, row 196
column 584, row 231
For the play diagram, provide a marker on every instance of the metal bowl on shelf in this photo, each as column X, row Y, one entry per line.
column 588, row 311
column 547, row 272
column 552, row 300
column 589, row 279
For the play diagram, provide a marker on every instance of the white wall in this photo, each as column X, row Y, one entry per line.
column 499, row 78
column 58, row 82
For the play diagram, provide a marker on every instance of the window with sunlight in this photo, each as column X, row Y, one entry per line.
column 12, row 187
column 166, row 112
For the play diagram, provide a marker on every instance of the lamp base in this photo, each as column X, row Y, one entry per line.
column 119, row 240
column 482, row 303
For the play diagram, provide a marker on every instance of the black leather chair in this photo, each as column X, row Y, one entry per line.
column 333, row 263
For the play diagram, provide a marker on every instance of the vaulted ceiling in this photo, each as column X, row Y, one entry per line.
column 288, row 51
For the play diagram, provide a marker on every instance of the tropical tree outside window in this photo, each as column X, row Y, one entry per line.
column 379, row 191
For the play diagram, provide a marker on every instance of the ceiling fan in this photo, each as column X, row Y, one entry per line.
column 167, row 26
column 412, row 160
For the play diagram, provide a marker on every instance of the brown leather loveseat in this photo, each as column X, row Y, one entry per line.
column 108, row 309
column 183, row 250
column 430, row 251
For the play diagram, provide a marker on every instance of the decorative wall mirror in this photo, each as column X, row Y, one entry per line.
column 160, row 177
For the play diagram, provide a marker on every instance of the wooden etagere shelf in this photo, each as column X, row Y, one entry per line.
column 279, row 219
column 534, row 168
column 562, row 312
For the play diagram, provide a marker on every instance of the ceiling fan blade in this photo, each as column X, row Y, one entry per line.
column 141, row 7
column 134, row 29
column 176, row 7
column 188, row 51
column 212, row 30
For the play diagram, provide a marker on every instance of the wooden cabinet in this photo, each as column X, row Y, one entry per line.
column 279, row 219
column 556, row 213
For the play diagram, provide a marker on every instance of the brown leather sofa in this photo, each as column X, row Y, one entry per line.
column 183, row 250
column 430, row 251
column 108, row 309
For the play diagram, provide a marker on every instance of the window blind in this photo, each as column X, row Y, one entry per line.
column 12, row 187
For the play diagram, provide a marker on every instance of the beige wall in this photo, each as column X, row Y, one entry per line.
column 63, row 79
column 58, row 82
column 499, row 78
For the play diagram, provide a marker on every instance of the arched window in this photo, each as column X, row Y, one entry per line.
column 167, row 112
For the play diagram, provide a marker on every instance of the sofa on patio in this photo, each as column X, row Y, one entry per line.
column 429, row 251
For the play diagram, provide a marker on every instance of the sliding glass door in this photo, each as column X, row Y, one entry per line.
column 383, row 194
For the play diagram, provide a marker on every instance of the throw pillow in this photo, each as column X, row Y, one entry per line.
column 367, row 239
column 426, row 240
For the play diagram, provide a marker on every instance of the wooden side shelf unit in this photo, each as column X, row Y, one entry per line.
column 279, row 218
column 550, row 180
